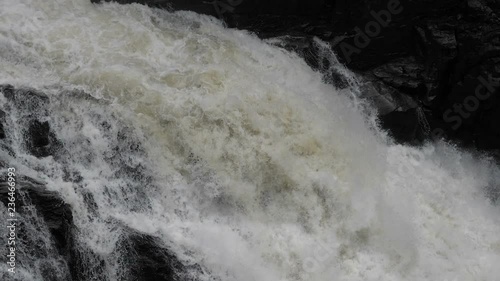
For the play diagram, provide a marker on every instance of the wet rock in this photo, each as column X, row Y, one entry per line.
column 55, row 213
column 2, row 122
column 383, row 97
column 436, row 46
column 85, row 265
column 39, row 133
column 404, row 74
column 44, row 224
column 147, row 259
column 404, row 126
column 41, row 141
column 487, row 128
column 46, row 236
column 480, row 9
column 27, row 100
column 30, row 108
column 49, row 243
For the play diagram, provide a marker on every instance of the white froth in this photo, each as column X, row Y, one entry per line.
column 256, row 169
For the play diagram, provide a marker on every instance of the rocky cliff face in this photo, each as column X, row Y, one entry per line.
column 47, row 236
column 438, row 59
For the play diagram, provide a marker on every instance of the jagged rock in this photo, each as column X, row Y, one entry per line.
column 437, row 47
column 39, row 133
column 404, row 126
column 28, row 100
column 479, row 9
column 41, row 142
column 383, row 97
column 85, row 265
column 142, row 257
column 487, row 128
column 404, row 74
column 31, row 108
column 147, row 259
column 56, row 214
column 43, row 229
column 2, row 122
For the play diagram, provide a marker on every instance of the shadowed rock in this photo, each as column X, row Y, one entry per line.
column 43, row 229
column 147, row 259
column 404, row 126
column 30, row 106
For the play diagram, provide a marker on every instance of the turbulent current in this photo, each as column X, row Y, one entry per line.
column 233, row 153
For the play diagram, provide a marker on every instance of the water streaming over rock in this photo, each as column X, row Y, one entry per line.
column 228, row 151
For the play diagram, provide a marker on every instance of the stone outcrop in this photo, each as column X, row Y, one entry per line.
column 47, row 239
column 30, row 107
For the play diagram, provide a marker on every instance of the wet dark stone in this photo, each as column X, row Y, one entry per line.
column 30, row 107
column 45, row 215
column 405, row 74
column 85, row 265
column 147, row 259
column 68, row 259
column 39, row 133
column 8, row 91
column 404, row 126
column 55, row 213
column 41, row 141
column 2, row 122
column 25, row 99
column 42, row 215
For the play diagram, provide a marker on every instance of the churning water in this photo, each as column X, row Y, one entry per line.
column 235, row 154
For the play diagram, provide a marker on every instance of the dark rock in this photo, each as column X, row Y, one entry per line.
column 141, row 257
column 404, row 74
column 383, row 97
column 28, row 100
column 39, row 133
column 487, row 128
column 55, row 213
column 404, row 126
column 7, row 91
column 30, row 106
column 48, row 239
column 147, row 259
column 2, row 122
column 436, row 45
column 41, row 142
column 43, row 226
column 85, row 265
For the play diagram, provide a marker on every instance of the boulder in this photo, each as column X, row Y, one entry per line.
column 404, row 126
column 2, row 122
column 404, row 74
column 30, row 106
column 44, row 224
column 145, row 258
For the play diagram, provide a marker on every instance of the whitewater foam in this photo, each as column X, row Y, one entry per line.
column 236, row 154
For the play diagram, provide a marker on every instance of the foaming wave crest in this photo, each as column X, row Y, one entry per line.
column 236, row 154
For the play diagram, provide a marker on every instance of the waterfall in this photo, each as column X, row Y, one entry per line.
column 229, row 151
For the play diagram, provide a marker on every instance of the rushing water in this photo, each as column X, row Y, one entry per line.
column 234, row 153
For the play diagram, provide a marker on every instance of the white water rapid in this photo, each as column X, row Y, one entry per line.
column 235, row 154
